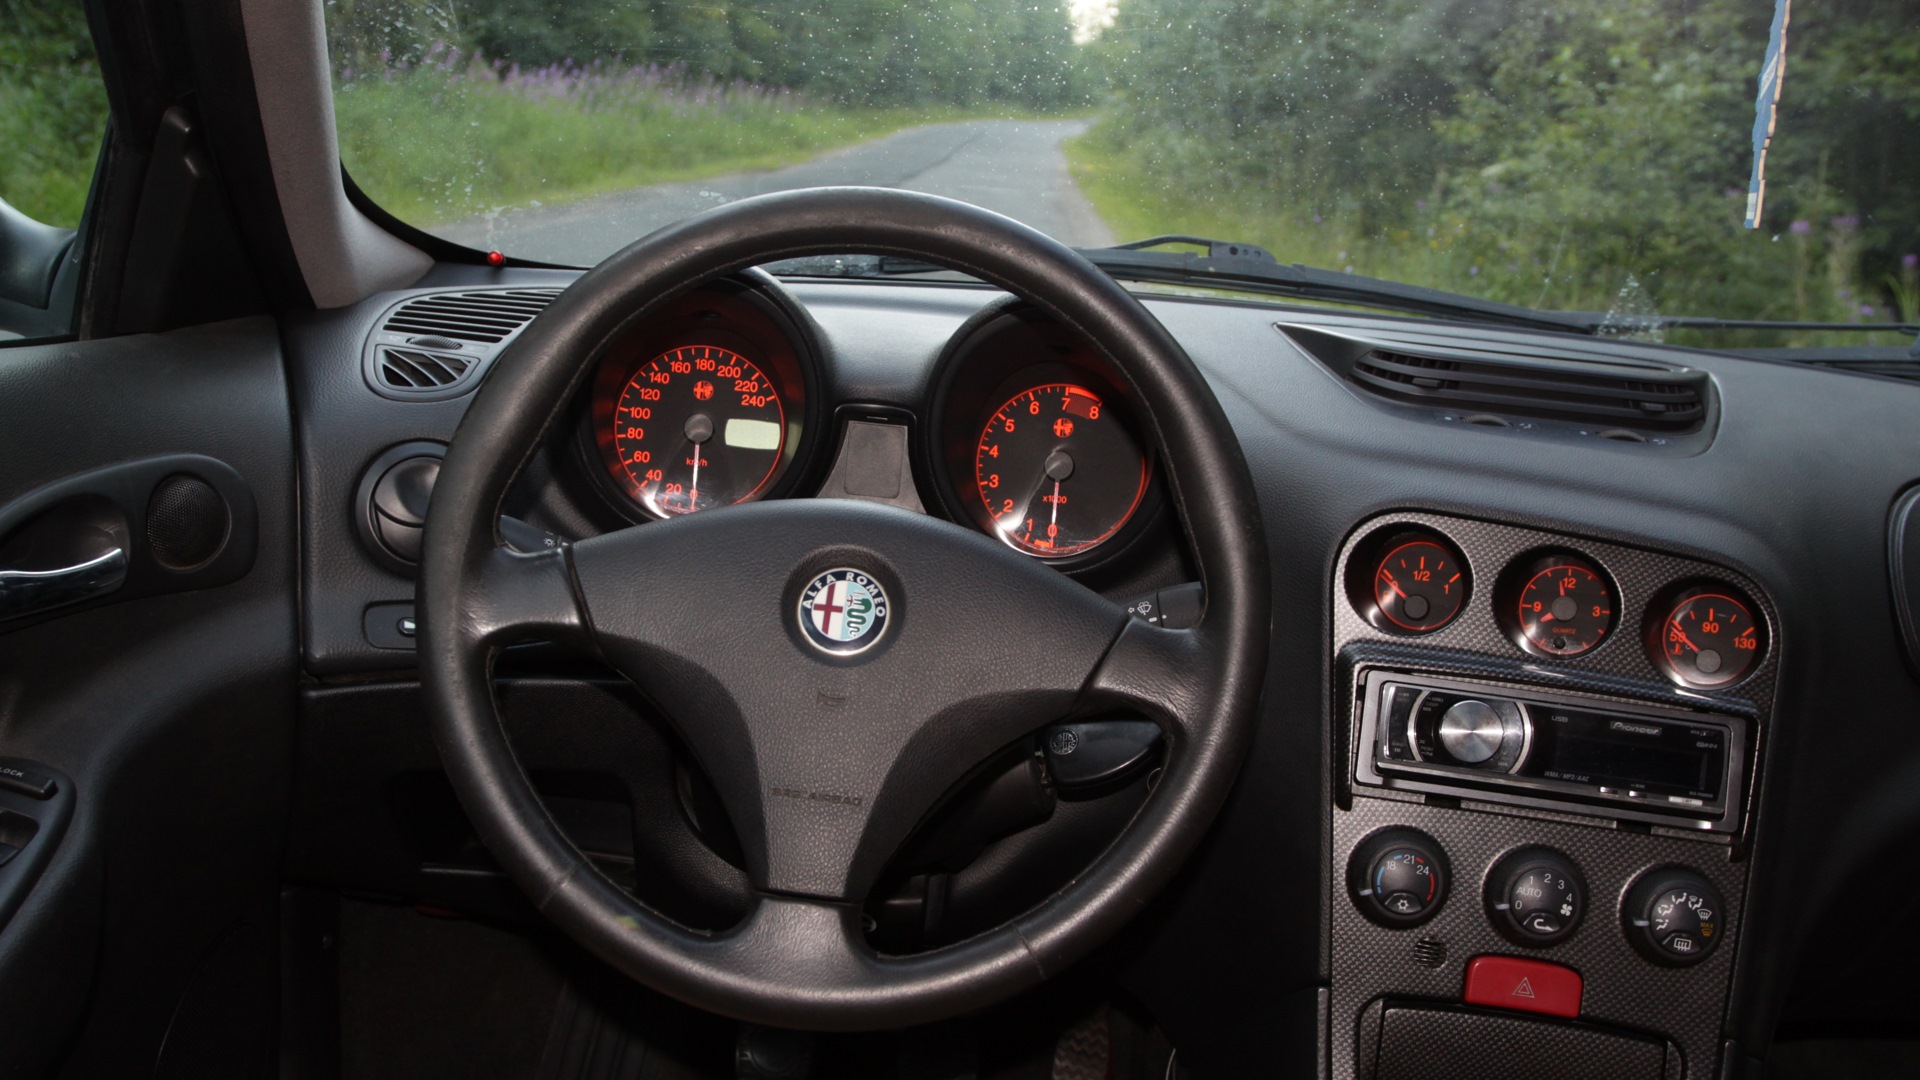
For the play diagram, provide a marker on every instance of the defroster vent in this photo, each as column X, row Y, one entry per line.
column 438, row 345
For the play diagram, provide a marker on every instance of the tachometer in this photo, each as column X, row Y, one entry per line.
column 696, row 427
column 1058, row 472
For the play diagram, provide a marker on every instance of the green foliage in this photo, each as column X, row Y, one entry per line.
column 1588, row 154
column 455, row 110
column 53, row 109
column 859, row 53
column 438, row 145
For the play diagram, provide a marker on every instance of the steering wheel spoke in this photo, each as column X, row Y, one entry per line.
column 516, row 596
column 1163, row 674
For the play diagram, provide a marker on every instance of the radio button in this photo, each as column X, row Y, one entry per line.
column 1536, row 896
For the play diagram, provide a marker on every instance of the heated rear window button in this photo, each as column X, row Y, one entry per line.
column 26, row 781
column 1511, row 982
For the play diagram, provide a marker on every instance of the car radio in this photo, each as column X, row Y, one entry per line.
column 1503, row 744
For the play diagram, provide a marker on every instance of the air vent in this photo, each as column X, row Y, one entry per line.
column 1645, row 398
column 438, row 345
column 412, row 369
column 487, row 317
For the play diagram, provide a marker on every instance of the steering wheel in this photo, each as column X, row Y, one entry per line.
column 826, row 749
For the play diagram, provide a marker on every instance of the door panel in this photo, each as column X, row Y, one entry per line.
column 169, row 705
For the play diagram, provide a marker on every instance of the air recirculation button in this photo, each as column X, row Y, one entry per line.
column 1398, row 877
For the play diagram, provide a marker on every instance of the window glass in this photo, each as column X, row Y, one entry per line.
column 53, row 109
column 1580, row 155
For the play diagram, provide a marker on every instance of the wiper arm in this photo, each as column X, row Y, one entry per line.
column 1249, row 267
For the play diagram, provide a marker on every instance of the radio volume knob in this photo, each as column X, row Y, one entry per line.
column 1471, row 731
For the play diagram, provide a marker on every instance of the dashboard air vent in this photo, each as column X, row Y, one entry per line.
column 1649, row 398
column 413, row 369
column 488, row 317
column 437, row 345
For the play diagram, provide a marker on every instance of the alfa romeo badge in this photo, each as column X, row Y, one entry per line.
column 843, row 612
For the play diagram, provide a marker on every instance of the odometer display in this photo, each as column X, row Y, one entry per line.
column 1057, row 472
column 696, row 427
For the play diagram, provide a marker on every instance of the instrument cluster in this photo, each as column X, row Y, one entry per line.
column 1556, row 603
column 1023, row 431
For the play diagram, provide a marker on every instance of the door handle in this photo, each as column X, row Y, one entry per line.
column 24, row 592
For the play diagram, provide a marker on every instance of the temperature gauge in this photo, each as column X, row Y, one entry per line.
column 1562, row 605
column 1709, row 638
column 1419, row 585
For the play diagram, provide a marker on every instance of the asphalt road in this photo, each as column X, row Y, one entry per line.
column 1015, row 167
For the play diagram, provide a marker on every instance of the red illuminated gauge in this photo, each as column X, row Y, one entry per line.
column 1419, row 585
column 1057, row 471
column 696, row 427
column 1709, row 638
column 1564, row 606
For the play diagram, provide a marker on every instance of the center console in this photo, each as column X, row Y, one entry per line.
column 1543, row 800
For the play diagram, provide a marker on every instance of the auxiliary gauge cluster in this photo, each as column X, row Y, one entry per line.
column 1556, row 603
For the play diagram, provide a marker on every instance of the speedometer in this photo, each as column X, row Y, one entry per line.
column 696, row 427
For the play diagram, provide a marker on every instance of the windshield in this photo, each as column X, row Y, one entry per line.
column 1582, row 155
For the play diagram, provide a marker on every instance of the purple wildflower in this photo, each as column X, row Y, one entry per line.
column 1910, row 261
column 1800, row 228
column 1846, row 222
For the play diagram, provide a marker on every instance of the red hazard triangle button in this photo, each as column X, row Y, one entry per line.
column 1512, row 982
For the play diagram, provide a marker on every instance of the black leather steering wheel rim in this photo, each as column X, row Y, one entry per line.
column 797, row 961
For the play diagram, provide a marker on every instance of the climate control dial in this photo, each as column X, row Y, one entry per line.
column 1398, row 877
column 1674, row 916
column 1536, row 896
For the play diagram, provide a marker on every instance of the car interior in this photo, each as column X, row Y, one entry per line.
column 1063, row 677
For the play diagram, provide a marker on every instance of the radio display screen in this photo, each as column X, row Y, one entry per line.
column 1654, row 766
column 1663, row 757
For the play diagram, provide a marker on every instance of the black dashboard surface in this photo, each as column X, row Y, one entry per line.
column 1791, row 489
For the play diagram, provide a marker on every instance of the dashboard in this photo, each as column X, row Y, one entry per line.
column 1565, row 648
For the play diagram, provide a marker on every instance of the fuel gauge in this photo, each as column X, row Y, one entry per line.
column 1419, row 585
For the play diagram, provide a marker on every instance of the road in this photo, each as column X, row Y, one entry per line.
column 1015, row 167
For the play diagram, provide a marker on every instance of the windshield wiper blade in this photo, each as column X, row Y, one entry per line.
column 1249, row 267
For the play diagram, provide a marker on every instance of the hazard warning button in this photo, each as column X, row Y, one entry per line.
column 1510, row 982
